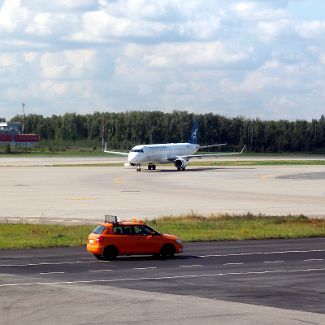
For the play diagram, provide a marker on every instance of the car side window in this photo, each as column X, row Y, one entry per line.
column 127, row 230
column 147, row 230
column 117, row 230
column 142, row 230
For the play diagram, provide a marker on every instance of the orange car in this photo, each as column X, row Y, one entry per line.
column 113, row 238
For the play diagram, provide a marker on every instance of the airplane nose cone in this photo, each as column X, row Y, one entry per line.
column 132, row 157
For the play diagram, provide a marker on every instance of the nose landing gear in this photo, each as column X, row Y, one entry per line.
column 138, row 168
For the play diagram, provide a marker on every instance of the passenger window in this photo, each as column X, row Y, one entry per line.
column 117, row 230
column 127, row 230
column 142, row 230
column 148, row 230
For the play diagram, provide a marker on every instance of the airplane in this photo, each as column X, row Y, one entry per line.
column 177, row 153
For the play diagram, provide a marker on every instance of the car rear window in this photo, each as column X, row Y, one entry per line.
column 99, row 229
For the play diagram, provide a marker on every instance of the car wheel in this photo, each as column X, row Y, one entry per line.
column 99, row 257
column 167, row 251
column 110, row 253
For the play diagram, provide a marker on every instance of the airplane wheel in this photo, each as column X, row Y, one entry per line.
column 183, row 168
column 154, row 167
column 149, row 167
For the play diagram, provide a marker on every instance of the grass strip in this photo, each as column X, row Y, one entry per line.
column 42, row 236
column 226, row 227
column 190, row 227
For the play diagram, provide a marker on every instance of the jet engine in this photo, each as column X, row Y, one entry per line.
column 180, row 163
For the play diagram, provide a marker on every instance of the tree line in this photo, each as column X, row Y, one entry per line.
column 126, row 129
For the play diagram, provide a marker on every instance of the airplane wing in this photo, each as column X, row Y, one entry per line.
column 212, row 145
column 119, row 153
column 219, row 154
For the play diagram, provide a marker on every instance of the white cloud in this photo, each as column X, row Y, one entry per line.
column 12, row 14
column 67, row 64
column 101, row 26
column 270, row 30
column 233, row 57
column 60, row 5
column 47, row 24
column 244, row 7
column 311, row 29
column 194, row 55
column 8, row 61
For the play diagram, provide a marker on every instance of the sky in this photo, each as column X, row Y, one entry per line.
column 258, row 59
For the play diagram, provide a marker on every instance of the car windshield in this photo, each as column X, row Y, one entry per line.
column 99, row 229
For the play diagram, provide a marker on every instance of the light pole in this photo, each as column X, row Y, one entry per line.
column 22, row 125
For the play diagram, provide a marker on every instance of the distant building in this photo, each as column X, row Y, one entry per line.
column 10, row 133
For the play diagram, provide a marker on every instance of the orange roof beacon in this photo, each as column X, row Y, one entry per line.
column 115, row 237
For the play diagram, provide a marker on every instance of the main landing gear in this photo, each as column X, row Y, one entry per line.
column 151, row 166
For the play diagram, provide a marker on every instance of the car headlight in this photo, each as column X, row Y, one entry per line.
column 178, row 240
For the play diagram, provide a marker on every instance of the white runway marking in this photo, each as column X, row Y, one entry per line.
column 233, row 264
column 144, row 268
column 171, row 277
column 272, row 262
column 196, row 265
column 314, row 260
column 46, row 273
column 263, row 253
column 48, row 263
column 98, row 271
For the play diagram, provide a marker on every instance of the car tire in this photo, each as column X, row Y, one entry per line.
column 167, row 250
column 99, row 257
column 110, row 253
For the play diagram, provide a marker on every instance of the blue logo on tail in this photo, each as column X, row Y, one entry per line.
column 195, row 130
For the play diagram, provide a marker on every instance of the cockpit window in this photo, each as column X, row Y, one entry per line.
column 137, row 150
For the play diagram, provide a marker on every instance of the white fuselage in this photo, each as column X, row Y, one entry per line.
column 160, row 153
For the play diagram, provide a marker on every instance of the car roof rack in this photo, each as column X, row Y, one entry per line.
column 111, row 219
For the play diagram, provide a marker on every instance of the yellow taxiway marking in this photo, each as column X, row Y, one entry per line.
column 268, row 176
column 90, row 198
column 118, row 180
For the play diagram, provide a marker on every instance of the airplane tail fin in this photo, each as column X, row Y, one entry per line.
column 195, row 130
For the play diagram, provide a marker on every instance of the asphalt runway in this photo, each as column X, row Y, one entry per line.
column 41, row 191
column 250, row 282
